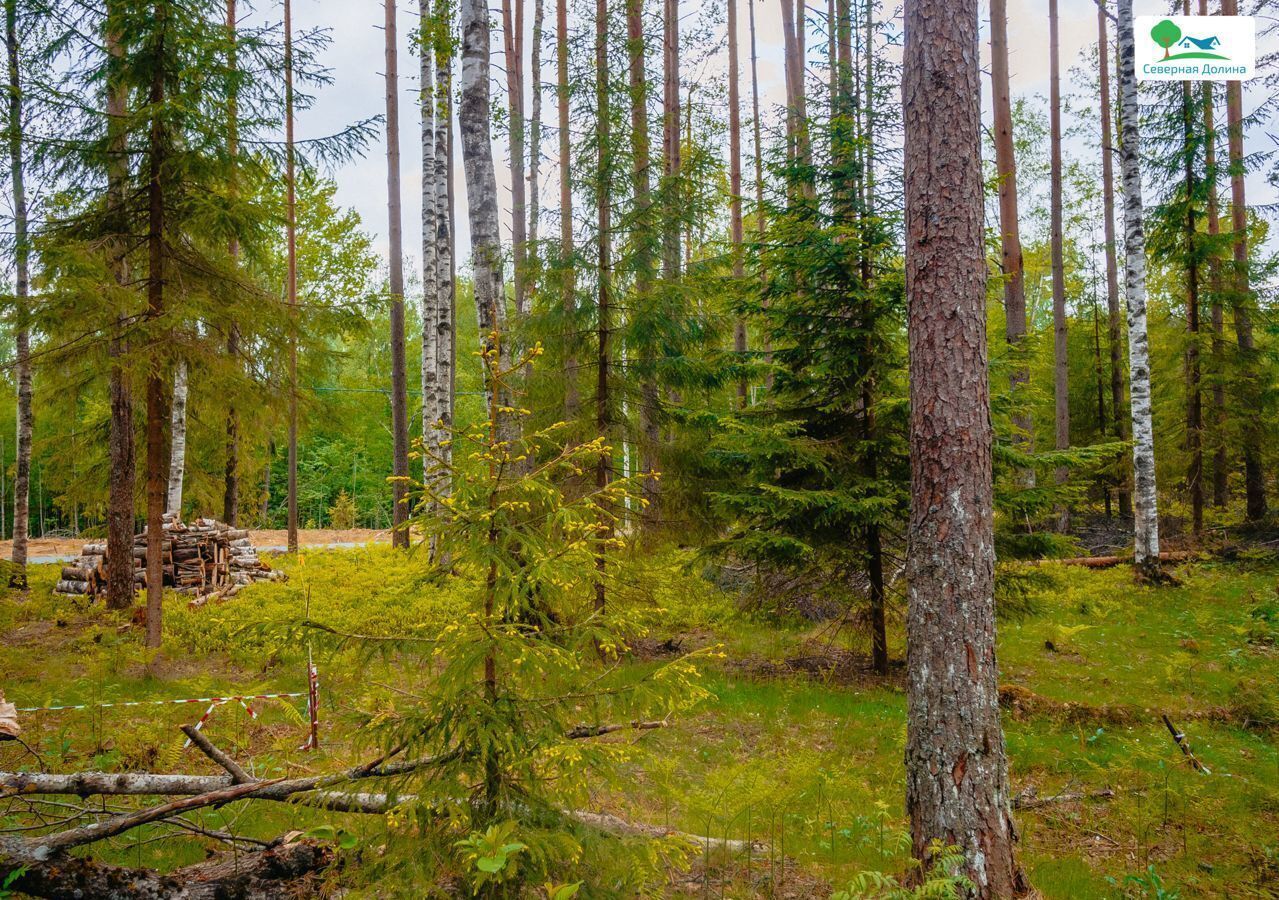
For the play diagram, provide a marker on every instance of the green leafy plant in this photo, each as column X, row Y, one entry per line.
column 943, row 880
column 492, row 854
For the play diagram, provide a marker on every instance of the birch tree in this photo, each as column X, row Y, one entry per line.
column 177, row 439
column 22, row 331
column 956, row 771
column 474, row 116
column 1145, row 501
column 430, row 375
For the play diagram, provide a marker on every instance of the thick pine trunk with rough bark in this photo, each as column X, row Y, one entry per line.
column 1115, row 318
column 956, row 770
column 120, row 499
column 1145, row 500
column 395, row 238
column 177, row 439
column 1061, row 364
column 22, row 332
column 1241, row 290
column 474, row 117
column 1009, row 227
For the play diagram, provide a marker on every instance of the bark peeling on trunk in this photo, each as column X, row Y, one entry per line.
column 956, row 770
column 177, row 439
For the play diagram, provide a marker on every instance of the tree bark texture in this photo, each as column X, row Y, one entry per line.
column 291, row 216
column 1145, row 500
column 956, row 770
column 1061, row 363
column 513, row 41
column 177, row 438
column 395, row 238
column 22, row 285
column 568, row 285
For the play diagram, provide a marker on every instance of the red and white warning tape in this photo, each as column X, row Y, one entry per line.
column 243, row 698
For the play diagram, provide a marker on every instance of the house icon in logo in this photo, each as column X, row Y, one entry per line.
column 1167, row 34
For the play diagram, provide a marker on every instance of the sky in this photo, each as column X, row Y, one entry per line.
column 356, row 59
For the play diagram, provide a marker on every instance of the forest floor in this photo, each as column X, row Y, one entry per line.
column 39, row 548
column 800, row 747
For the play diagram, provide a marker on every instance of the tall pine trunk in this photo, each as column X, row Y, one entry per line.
column 535, row 130
column 1009, row 227
column 120, row 499
column 22, row 332
column 735, row 189
column 604, row 277
column 513, row 34
column 671, row 139
column 568, row 282
column 1220, row 459
column 395, row 237
column 957, row 787
column 1242, row 301
column 645, row 269
column 291, row 287
column 157, row 148
column 1194, row 397
column 1061, row 366
column 1114, row 314
column 1145, row 500
column 231, row 485
column 177, row 439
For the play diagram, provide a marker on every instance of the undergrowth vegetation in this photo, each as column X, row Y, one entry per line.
column 794, row 746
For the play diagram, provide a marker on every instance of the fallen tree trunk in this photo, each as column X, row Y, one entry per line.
column 254, row 875
column 1106, row 562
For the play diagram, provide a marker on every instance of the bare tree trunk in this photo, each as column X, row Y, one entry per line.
column 956, row 771
column 177, row 439
column 1220, row 460
column 650, row 433
column 231, row 492
column 445, row 344
column 290, row 212
column 395, row 237
column 474, row 116
column 735, row 187
column 432, row 387
column 1112, row 264
column 604, row 324
column 1009, row 228
column 535, row 127
column 120, row 510
column 1061, row 368
column 22, row 333
column 513, row 32
column 568, row 298
column 1254, row 478
column 156, row 153
column 671, row 138
column 760, row 222
column 1145, row 499
column 1194, row 398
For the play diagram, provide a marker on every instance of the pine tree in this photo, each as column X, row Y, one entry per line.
column 399, row 386
column 1061, row 369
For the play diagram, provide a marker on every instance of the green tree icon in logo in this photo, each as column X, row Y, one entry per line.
column 1166, row 33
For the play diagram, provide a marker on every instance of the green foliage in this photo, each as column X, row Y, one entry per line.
column 944, row 880
column 492, row 855
column 342, row 513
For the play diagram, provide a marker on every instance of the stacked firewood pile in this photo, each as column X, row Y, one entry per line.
column 206, row 557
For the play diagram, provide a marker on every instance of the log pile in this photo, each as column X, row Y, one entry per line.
column 207, row 558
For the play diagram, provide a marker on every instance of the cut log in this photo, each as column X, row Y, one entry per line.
column 246, row 876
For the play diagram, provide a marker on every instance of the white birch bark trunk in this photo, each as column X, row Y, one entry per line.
column 474, row 117
column 445, row 350
column 177, row 440
column 1145, row 503
column 430, row 258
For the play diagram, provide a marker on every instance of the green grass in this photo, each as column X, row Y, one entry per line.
column 811, row 766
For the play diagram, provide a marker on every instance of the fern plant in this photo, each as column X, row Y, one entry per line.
column 943, row 880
